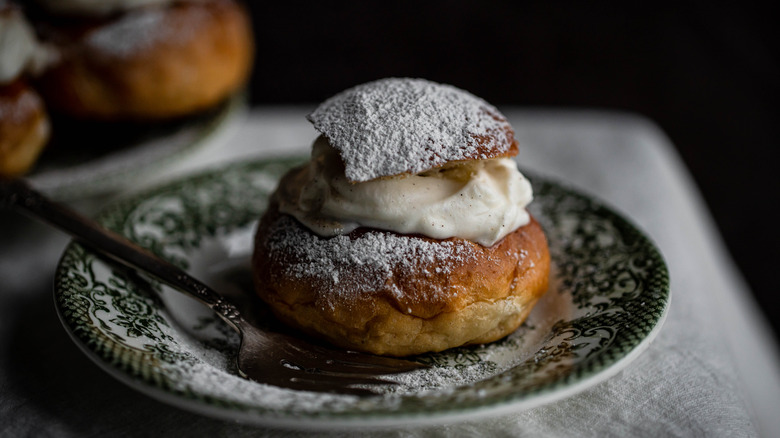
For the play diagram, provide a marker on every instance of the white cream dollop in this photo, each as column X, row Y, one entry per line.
column 481, row 201
column 20, row 50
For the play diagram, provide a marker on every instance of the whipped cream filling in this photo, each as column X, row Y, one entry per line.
column 20, row 50
column 481, row 201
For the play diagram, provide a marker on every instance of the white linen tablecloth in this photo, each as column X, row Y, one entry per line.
column 712, row 371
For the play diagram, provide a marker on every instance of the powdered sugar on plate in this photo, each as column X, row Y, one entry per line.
column 400, row 125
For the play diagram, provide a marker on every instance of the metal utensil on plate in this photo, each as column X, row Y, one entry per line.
column 263, row 356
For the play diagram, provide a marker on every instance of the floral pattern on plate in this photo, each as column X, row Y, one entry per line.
column 608, row 297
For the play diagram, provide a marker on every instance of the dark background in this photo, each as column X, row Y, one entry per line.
column 707, row 74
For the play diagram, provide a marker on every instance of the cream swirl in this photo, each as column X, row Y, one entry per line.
column 481, row 201
column 20, row 50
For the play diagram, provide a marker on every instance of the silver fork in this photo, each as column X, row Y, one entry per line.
column 263, row 356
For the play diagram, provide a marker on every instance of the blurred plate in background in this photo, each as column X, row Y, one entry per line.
column 86, row 159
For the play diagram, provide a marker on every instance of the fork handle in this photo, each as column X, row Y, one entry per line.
column 17, row 194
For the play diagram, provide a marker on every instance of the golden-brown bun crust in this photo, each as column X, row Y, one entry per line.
column 24, row 128
column 204, row 53
column 440, row 295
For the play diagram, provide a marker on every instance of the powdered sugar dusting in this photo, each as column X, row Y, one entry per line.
column 372, row 257
column 139, row 30
column 400, row 125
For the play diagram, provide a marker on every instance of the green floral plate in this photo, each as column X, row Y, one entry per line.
column 608, row 298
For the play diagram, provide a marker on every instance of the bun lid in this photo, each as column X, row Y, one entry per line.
column 400, row 126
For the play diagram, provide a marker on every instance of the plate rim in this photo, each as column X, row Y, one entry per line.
column 112, row 179
column 246, row 413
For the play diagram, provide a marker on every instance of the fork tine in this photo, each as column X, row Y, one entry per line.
column 337, row 379
column 354, row 367
column 355, row 362
column 338, row 384
column 307, row 355
column 319, row 365
column 315, row 381
column 334, row 373
column 377, row 362
column 348, row 365
column 333, row 388
column 337, row 365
